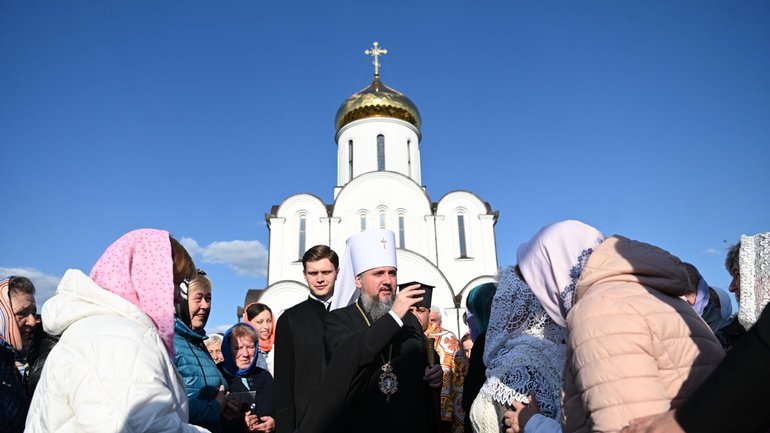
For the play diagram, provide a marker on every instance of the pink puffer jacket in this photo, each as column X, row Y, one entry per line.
column 635, row 348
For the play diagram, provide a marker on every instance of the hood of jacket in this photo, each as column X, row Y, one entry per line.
column 622, row 260
column 78, row 297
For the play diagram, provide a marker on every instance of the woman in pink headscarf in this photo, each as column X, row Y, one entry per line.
column 634, row 347
column 113, row 369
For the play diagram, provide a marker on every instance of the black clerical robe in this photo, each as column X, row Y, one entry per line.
column 349, row 398
column 734, row 397
column 299, row 361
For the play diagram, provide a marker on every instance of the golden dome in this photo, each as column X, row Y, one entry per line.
column 377, row 100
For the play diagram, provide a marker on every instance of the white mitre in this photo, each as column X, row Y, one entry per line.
column 366, row 250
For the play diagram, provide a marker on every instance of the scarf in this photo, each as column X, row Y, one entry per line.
column 552, row 261
column 479, row 303
column 9, row 328
column 754, row 260
column 229, row 357
column 138, row 268
column 525, row 348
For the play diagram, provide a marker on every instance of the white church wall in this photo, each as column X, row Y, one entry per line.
column 283, row 295
column 401, row 148
column 388, row 193
column 285, row 258
column 480, row 251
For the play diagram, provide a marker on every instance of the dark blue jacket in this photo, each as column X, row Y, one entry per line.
column 201, row 376
column 14, row 401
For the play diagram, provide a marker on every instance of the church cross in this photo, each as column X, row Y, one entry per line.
column 376, row 52
column 384, row 243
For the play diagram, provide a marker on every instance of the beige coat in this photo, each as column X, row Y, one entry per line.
column 634, row 348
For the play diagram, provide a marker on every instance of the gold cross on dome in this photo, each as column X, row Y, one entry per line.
column 376, row 51
column 384, row 243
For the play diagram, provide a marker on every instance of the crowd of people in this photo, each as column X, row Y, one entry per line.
column 585, row 333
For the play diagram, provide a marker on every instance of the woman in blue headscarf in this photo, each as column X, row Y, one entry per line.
column 239, row 348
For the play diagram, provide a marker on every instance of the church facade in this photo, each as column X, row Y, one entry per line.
column 448, row 243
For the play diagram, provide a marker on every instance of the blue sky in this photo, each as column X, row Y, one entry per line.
column 648, row 119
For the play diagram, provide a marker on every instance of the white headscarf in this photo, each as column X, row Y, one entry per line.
column 363, row 251
column 552, row 261
column 754, row 259
column 524, row 349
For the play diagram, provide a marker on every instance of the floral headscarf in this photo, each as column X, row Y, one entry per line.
column 525, row 349
column 552, row 261
column 9, row 328
column 754, row 259
column 138, row 268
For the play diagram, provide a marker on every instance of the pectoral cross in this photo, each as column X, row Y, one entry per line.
column 376, row 51
column 384, row 243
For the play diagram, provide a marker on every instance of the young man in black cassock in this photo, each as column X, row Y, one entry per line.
column 377, row 377
column 299, row 340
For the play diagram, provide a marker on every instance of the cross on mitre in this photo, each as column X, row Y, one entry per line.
column 384, row 243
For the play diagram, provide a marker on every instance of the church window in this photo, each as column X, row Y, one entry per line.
column 401, row 235
column 461, row 235
column 380, row 152
column 363, row 222
column 382, row 219
column 302, row 230
column 409, row 156
column 350, row 158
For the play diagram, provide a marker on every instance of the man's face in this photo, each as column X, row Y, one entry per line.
column 422, row 314
column 434, row 319
column 24, row 309
column 321, row 276
column 378, row 283
column 467, row 346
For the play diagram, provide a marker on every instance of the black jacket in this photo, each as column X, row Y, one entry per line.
column 14, row 399
column 734, row 398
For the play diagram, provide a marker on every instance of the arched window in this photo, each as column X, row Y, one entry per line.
column 409, row 156
column 350, row 158
column 302, row 235
column 382, row 219
column 401, row 232
column 380, row 152
column 363, row 222
column 461, row 235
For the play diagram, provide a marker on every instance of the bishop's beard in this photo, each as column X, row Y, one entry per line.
column 374, row 307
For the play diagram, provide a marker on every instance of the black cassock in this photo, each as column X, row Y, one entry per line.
column 299, row 361
column 349, row 398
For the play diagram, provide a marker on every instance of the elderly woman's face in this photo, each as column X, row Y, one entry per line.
column 244, row 352
column 199, row 303
column 215, row 350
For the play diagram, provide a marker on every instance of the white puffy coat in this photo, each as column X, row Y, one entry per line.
column 110, row 371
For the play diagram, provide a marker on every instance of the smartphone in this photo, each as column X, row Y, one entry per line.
column 427, row 297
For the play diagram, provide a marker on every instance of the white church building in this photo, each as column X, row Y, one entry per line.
column 448, row 243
